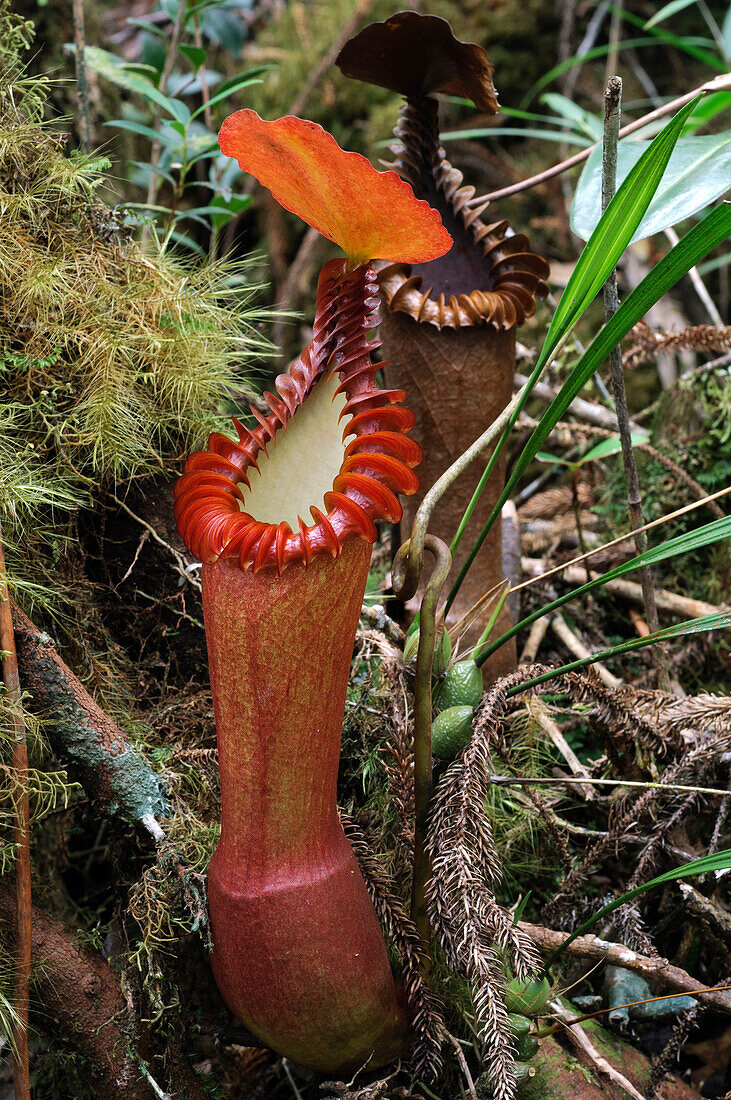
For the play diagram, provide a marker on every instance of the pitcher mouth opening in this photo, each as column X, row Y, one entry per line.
column 488, row 276
column 296, row 485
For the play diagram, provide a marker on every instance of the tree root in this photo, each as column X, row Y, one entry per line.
column 83, row 1002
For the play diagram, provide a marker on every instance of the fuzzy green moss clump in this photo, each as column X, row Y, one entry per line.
column 114, row 353
column 114, row 362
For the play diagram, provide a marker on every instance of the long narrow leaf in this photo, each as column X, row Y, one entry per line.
column 230, row 87
column 696, row 244
column 693, row 46
column 567, row 136
column 605, row 246
column 719, row 861
column 720, row 621
column 615, row 230
column 712, row 532
column 580, row 59
column 111, row 68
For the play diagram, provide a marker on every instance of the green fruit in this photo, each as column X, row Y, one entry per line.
column 451, row 731
column 442, row 652
column 462, row 686
column 520, row 1025
column 527, row 998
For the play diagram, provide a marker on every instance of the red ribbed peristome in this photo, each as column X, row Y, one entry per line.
column 378, row 462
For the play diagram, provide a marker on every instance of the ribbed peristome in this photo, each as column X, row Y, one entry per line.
column 498, row 283
column 377, row 463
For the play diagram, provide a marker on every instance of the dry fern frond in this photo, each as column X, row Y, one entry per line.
column 554, row 502
column 472, row 927
column 424, row 1007
column 400, row 748
column 647, row 344
column 685, row 718
column 617, row 714
column 667, row 808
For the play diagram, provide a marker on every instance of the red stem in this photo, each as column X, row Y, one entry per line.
column 21, row 837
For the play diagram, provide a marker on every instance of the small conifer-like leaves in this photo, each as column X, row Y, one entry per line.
column 472, row 927
column 418, row 55
column 425, row 1011
column 370, row 214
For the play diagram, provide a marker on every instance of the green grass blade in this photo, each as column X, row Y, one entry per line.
column 569, row 137
column 691, row 45
column 614, row 231
column 611, row 236
column 696, row 244
column 719, row 861
column 714, row 531
column 719, row 621
column 581, row 59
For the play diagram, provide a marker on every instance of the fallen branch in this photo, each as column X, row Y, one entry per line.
column 83, row 736
column 666, row 601
column 585, row 410
column 561, row 629
column 539, row 711
column 718, row 83
column 657, row 970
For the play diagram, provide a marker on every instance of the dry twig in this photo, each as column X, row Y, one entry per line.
column 667, row 976
column 21, row 839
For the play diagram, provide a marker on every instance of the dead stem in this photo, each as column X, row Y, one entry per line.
column 21, row 838
column 612, row 112
column 719, row 83
column 547, row 940
column 82, row 87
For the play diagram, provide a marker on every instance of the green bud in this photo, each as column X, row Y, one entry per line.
column 527, row 998
column 462, row 686
column 451, row 731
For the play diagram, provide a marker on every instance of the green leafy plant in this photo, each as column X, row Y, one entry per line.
column 181, row 133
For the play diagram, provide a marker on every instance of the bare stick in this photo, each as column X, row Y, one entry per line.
column 665, row 600
column 82, row 88
column 538, row 710
column 536, row 636
column 21, row 1072
column 583, row 1043
column 658, row 970
column 620, row 538
column 550, row 780
column 719, row 83
column 612, row 111
column 462, row 1063
column 575, row 646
